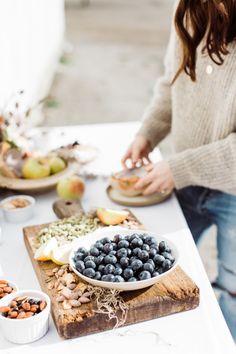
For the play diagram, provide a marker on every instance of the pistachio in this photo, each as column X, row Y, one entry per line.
column 75, row 303
column 60, row 298
column 84, row 300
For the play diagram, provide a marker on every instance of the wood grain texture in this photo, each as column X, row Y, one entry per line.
column 174, row 293
column 66, row 208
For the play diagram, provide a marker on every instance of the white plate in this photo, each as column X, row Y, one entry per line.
column 110, row 232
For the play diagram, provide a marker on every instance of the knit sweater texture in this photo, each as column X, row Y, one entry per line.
column 201, row 117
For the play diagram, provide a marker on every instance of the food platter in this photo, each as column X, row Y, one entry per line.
column 122, row 286
column 140, row 200
column 37, row 185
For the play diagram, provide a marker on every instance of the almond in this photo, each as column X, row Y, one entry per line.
column 13, row 314
column 34, row 308
column 26, row 306
column 42, row 305
column 2, row 281
column 29, row 314
column 7, row 289
column 21, row 315
column 5, row 309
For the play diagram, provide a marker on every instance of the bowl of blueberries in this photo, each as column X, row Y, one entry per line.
column 123, row 259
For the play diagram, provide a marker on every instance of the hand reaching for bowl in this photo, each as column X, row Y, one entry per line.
column 159, row 178
column 138, row 152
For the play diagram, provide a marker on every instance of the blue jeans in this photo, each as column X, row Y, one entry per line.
column 203, row 208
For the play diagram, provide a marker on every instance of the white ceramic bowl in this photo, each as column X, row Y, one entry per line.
column 12, row 285
column 110, row 232
column 18, row 215
column 25, row 330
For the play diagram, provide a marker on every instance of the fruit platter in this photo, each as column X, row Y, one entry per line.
column 24, row 171
column 85, row 302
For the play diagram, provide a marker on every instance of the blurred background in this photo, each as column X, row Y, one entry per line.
column 95, row 61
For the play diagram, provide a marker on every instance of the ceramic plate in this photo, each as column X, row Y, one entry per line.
column 140, row 200
column 110, row 232
column 37, row 185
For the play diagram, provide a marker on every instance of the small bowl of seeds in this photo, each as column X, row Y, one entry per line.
column 7, row 287
column 24, row 316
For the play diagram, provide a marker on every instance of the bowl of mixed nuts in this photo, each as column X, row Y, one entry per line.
column 7, row 287
column 24, row 316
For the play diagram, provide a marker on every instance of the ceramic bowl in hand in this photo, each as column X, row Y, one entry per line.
column 124, row 181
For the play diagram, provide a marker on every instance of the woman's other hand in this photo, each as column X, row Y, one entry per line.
column 138, row 152
column 158, row 179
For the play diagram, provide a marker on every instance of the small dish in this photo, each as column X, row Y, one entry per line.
column 25, row 330
column 20, row 213
column 124, row 181
column 9, row 283
column 110, row 232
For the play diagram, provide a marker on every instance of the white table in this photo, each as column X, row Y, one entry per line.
column 202, row 330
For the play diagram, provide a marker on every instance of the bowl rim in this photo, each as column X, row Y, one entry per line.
column 123, row 284
column 22, row 293
column 20, row 196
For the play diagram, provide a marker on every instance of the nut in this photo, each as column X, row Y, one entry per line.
column 13, row 314
column 26, row 306
column 4, row 309
column 42, row 305
column 21, row 315
column 84, row 300
column 75, row 303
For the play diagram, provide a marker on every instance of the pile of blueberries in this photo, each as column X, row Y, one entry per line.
column 124, row 258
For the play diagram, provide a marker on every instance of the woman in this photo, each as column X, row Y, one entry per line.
column 195, row 100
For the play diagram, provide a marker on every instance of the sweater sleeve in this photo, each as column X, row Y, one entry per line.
column 157, row 116
column 212, row 165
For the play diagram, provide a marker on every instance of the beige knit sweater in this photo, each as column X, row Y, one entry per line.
column 201, row 117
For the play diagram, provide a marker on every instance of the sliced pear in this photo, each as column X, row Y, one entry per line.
column 60, row 255
column 111, row 217
column 44, row 252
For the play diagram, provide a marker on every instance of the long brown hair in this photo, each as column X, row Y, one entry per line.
column 211, row 20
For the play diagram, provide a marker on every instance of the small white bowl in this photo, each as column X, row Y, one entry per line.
column 110, row 232
column 12, row 285
column 25, row 330
column 18, row 215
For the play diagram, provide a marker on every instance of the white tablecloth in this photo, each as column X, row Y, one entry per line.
column 202, row 330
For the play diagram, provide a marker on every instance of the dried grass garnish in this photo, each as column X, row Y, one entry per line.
column 110, row 303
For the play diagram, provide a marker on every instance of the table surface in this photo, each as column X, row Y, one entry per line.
column 198, row 331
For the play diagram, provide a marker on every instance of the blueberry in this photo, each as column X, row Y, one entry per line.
column 132, row 279
column 145, row 247
column 90, row 264
column 89, row 258
column 116, row 238
column 108, row 277
column 161, row 270
column 163, row 246
column 158, row 259
column 143, row 237
column 99, row 245
column 122, row 252
column 118, row 279
column 133, row 258
column 79, row 265
column 155, row 274
column 114, row 245
column 136, row 242
column 83, row 250
column 144, row 275
column 129, row 252
column 133, row 236
column 152, row 252
column 168, row 256
column 151, row 262
column 154, row 246
column 150, row 240
column 149, row 267
column 79, row 256
column 107, row 248
column 166, row 264
column 94, row 251
column 105, row 240
column 143, row 256
column 101, row 268
column 97, row 275
column 110, row 259
column 124, row 262
column 118, row 270
column 136, row 251
column 128, row 273
column 112, row 253
column 123, row 244
column 89, row 272
column 99, row 260
column 136, row 265
column 109, row 269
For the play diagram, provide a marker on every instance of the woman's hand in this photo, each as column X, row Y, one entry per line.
column 158, row 179
column 138, row 151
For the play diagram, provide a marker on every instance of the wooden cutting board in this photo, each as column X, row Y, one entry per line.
column 174, row 293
